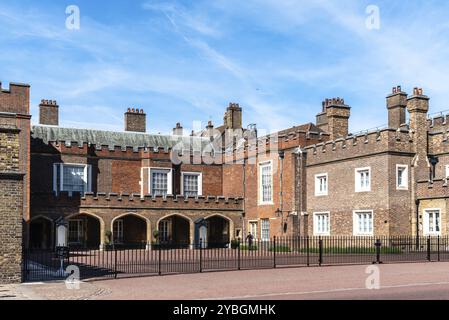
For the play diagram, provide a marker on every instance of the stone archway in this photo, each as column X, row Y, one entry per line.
column 41, row 233
column 131, row 229
column 219, row 230
column 175, row 230
column 85, row 230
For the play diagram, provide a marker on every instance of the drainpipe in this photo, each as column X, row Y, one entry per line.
column 417, row 223
column 281, row 204
column 244, row 200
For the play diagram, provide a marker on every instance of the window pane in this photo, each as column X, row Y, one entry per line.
column 265, row 229
column 190, row 185
column 159, row 183
column 73, row 178
column 266, row 183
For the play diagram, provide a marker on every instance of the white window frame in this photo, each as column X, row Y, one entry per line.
column 358, row 187
column 260, row 193
column 426, row 231
column 256, row 234
column 262, row 229
column 200, row 181
column 80, row 235
column 87, row 176
column 315, row 223
column 169, row 172
column 166, row 231
column 118, row 231
column 355, row 223
column 319, row 192
column 404, row 186
column 447, row 172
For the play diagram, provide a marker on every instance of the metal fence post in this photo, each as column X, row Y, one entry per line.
column 438, row 245
column 307, row 250
column 160, row 258
column 428, row 249
column 378, row 245
column 201, row 255
column 115, row 263
column 274, row 252
column 24, row 263
column 238, row 255
column 320, row 251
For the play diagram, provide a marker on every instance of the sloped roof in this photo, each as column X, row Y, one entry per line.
column 308, row 127
column 116, row 139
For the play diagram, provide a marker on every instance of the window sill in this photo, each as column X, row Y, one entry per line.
column 321, row 194
column 260, row 204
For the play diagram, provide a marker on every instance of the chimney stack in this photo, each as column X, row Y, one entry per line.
column 335, row 118
column 233, row 117
column 135, row 120
column 49, row 112
column 396, row 105
column 178, row 130
column 418, row 106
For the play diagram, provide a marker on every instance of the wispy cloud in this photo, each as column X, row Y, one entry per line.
column 184, row 61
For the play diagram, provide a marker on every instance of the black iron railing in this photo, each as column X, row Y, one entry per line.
column 142, row 259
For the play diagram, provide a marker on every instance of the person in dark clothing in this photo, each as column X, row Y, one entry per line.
column 250, row 239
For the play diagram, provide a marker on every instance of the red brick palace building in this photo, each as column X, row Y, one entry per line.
column 133, row 187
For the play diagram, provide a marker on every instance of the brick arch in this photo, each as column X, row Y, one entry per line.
column 228, row 219
column 100, row 220
column 147, row 221
column 43, row 237
column 189, row 220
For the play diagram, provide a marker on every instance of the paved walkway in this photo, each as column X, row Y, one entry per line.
column 397, row 281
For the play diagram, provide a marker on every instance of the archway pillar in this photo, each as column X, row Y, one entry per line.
column 191, row 234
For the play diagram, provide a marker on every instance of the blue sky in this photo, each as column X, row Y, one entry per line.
column 186, row 60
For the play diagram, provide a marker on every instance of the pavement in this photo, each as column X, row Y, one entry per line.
column 389, row 281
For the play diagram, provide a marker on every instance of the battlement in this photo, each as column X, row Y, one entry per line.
column 16, row 99
column 130, row 201
column 362, row 144
column 273, row 143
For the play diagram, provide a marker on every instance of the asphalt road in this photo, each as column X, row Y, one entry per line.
column 396, row 281
column 389, row 281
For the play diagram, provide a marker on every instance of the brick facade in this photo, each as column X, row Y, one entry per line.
column 227, row 162
column 14, row 178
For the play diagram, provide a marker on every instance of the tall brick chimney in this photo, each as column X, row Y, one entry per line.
column 178, row 130
column 337, row 114
column 418, row 106
column 135, row 120
column 321, row 118
column 49, row 112
column 396, row 105
column 233, row 117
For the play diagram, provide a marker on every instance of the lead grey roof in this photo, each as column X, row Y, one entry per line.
column 117, row 139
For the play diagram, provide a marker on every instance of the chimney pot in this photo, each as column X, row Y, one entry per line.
column 49, row 112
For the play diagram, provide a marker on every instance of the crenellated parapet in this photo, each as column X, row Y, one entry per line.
column 136, row 201
column 16, row 99
column 438, row 188
column 363, row 144
column 438, row 124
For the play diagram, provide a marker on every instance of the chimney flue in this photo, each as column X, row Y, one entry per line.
column 396, row 105
column 178, row 130
column 135, row 120
column 49, row 112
